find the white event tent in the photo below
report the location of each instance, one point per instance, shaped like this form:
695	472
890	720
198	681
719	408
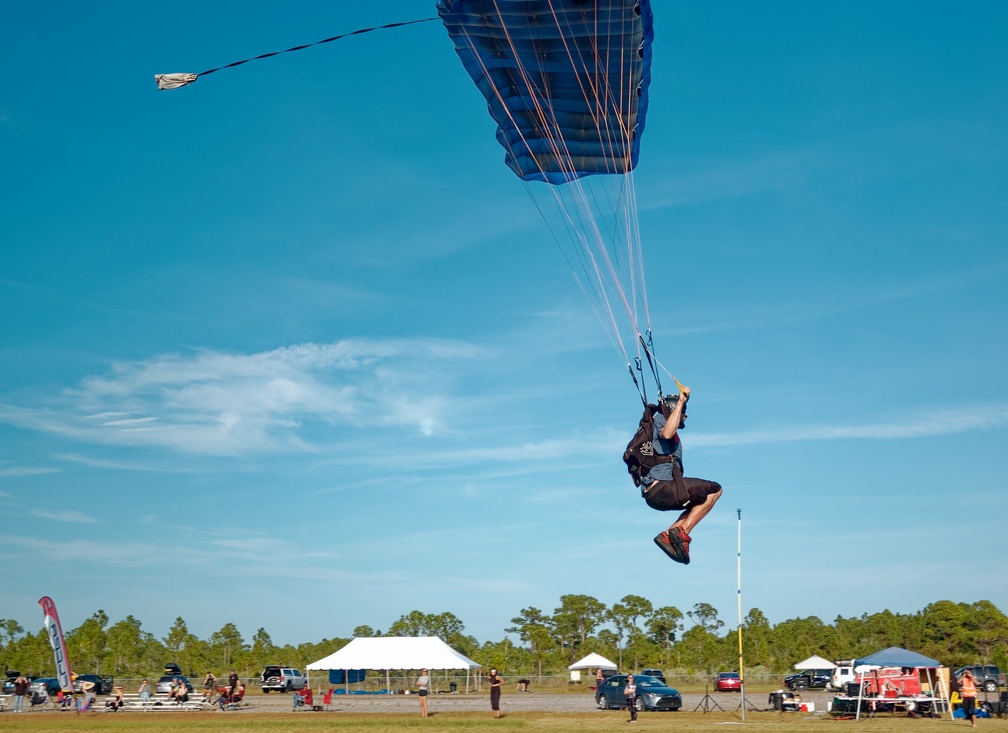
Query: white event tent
396	652
592	661
815	662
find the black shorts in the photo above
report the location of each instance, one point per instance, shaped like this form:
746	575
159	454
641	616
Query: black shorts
422	693
665	496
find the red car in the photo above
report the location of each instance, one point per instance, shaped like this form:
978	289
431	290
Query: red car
726	681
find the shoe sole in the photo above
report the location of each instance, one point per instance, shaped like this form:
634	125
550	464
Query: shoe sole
673	548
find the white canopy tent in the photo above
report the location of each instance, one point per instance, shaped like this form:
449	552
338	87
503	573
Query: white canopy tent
814	662
396	652
592	661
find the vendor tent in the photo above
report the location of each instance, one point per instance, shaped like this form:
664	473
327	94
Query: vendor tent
594	661
396	652
814	662
928	669
896	656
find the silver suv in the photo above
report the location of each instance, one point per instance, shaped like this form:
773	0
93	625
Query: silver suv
281	679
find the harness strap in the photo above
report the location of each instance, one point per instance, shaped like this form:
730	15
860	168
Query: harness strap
679	481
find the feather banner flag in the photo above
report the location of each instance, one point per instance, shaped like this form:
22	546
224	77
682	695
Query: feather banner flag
55	631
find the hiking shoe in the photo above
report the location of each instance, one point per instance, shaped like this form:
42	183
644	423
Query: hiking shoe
671	544
684	538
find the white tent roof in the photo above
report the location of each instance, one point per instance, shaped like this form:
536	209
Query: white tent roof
395	652
593	661
815	662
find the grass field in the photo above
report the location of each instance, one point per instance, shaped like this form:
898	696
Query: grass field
470	722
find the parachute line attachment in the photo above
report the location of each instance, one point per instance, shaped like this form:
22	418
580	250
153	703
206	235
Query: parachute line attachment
174	81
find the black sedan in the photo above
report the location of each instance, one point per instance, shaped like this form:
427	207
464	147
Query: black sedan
101	685
652	694
810	679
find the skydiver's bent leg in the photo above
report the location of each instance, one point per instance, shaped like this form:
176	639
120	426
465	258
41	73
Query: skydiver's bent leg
665	496
695	503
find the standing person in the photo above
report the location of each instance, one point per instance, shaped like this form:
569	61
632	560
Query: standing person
232	683
599	678
423	685
968	692
655	463
208	686
20	690
495	691
631	697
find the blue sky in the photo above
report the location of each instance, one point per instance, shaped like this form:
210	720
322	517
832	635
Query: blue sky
295	332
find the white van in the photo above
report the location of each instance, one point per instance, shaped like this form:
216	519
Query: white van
842	674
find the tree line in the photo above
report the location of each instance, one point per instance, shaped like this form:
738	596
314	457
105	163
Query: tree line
632	632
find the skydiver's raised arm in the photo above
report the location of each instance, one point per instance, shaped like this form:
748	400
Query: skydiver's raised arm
674	419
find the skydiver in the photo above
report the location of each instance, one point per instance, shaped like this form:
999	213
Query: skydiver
664	491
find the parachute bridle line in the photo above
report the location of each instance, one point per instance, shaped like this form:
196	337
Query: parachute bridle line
360	31
577	199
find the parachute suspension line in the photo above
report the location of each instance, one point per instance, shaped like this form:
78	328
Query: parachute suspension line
173	81
555	138
633	376
628	223
609	327
648	346
607	251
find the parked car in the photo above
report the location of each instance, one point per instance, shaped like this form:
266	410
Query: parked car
656	673
652	694
986	676
809	679
281	679
102	686
51	686
164	684
842	674
8	685
726	681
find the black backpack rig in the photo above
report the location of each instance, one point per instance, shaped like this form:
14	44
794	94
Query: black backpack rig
640	456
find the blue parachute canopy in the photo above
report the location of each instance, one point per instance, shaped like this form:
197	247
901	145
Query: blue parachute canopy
565	80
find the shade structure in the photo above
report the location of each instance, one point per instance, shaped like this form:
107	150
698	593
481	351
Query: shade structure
593	661
395	652
896	656
815	662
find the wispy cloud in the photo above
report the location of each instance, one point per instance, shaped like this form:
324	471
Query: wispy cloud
214	403
920	425
734	179
70	515
26	471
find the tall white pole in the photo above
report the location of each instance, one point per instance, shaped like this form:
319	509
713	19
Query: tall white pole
741	667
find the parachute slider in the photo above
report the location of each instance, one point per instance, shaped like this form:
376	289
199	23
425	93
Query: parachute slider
174	81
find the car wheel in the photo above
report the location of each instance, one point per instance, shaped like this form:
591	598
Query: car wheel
990	686
639	704
265	690
603	704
